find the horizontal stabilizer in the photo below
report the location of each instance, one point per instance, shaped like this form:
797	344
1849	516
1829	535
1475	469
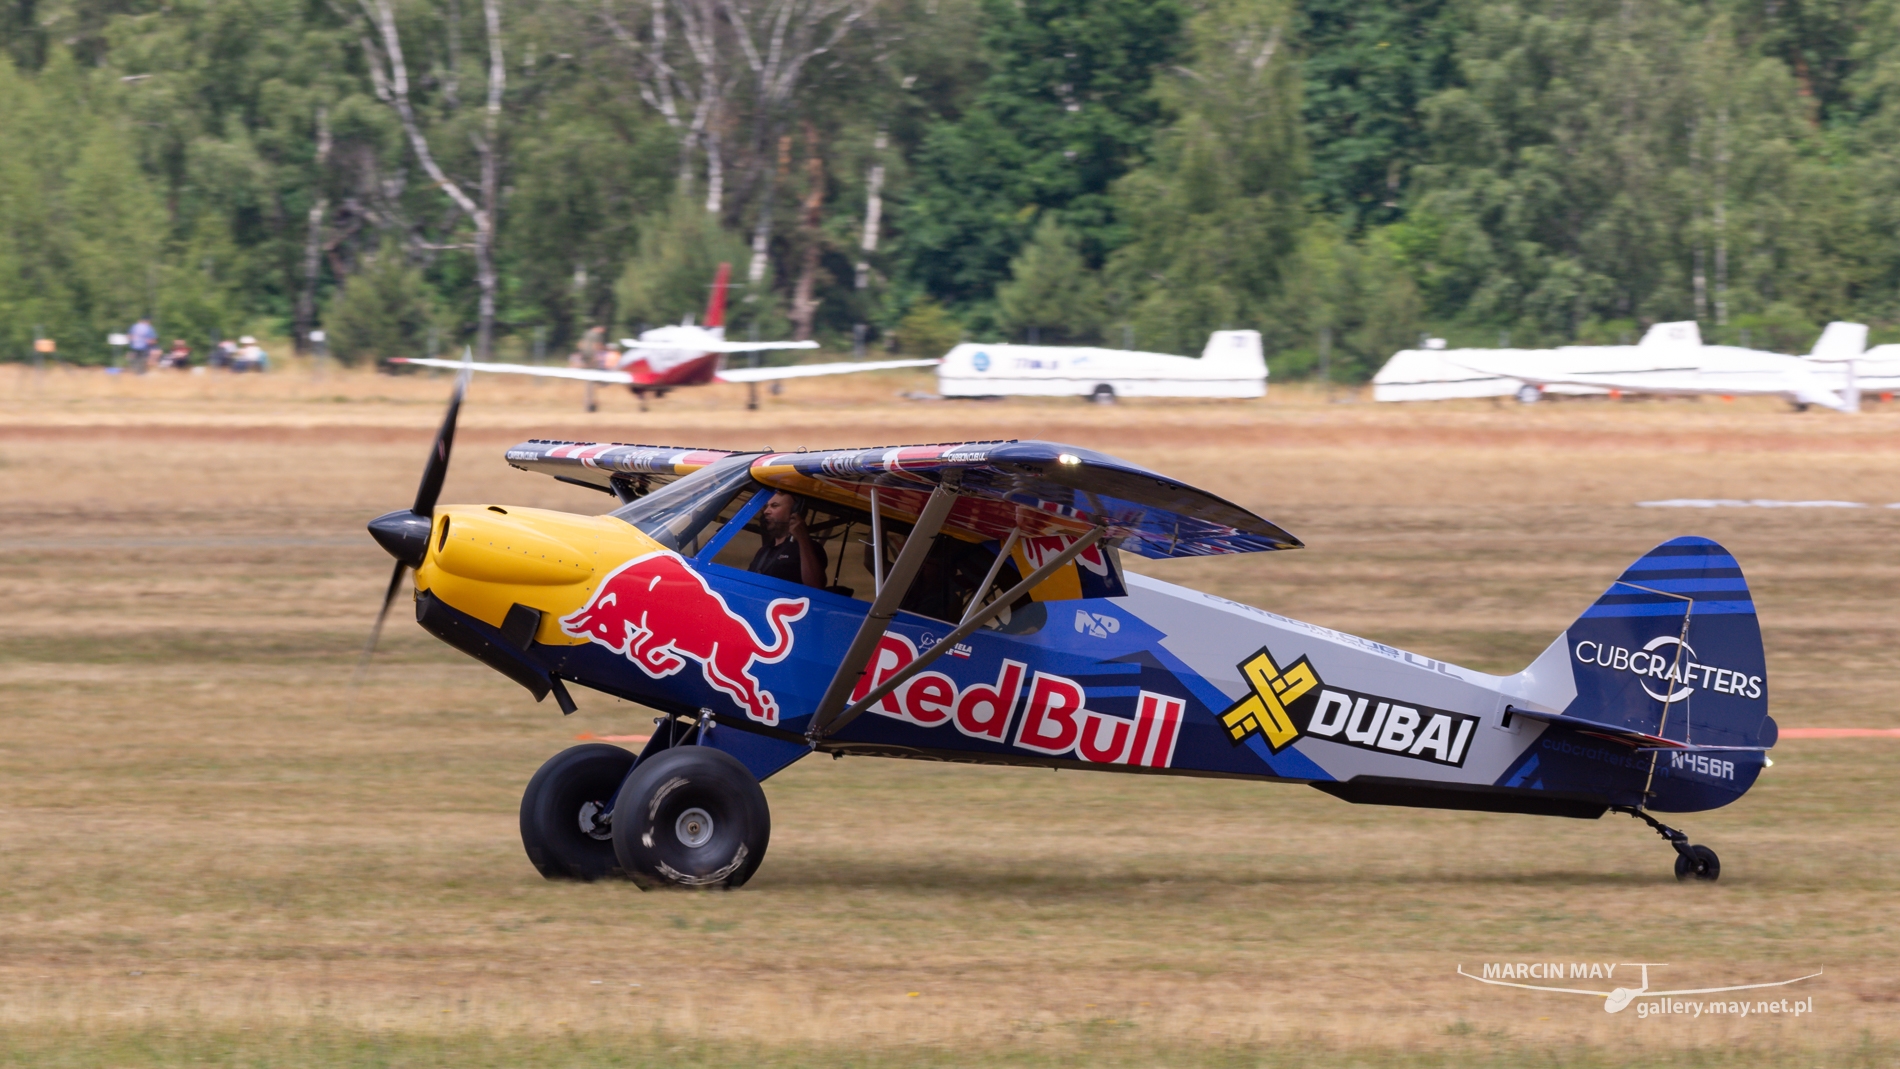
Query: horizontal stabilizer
716	346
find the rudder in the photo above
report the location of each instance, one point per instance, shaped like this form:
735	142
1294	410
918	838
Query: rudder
1673	649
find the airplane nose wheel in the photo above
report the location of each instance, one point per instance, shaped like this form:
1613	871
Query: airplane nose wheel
691	816
1693	861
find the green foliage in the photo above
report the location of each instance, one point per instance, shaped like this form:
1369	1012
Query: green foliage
928	330
1052	291
671	274
1215	220
1553	170
382	311
1368	70
1066	110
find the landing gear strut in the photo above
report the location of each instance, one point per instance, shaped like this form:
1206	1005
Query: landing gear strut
1692	860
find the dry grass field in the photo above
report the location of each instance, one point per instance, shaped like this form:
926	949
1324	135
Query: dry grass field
212	851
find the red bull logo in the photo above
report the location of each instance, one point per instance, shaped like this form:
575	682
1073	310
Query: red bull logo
659	613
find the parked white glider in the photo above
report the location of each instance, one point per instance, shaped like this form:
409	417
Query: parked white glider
665	358
1230	366
1670	359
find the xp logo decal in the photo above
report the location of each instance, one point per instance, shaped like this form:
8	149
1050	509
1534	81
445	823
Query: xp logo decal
1276	712
1264	712
1668	660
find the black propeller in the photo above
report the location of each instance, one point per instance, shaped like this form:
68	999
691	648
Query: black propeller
405	532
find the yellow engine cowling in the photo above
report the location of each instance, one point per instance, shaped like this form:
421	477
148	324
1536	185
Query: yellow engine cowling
485	559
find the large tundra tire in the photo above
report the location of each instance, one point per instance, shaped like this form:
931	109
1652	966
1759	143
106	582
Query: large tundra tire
566	810
693	817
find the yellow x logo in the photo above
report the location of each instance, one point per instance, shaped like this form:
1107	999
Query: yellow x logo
1264	711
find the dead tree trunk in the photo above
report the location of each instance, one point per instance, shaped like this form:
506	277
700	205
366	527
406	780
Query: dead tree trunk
804	309
390	76
313	243
873	210
491	185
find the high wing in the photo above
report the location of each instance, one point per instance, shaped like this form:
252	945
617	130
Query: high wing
581	374
710	346
626	471
805	371
1037	488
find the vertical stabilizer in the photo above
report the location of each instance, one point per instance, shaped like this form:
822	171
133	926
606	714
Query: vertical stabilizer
1673	335
716	305
1840	341
1235	352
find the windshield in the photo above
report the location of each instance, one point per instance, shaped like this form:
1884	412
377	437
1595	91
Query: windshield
676	514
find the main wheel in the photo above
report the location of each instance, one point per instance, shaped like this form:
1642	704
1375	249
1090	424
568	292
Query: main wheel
691	816
566	812
1103	394
1700	863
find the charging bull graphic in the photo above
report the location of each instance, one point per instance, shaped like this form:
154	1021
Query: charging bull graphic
658	612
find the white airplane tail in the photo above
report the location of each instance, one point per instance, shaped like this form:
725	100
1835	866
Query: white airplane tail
1673	335
1237	351
1840	341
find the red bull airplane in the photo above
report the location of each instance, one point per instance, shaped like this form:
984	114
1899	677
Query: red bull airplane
967	602
666	358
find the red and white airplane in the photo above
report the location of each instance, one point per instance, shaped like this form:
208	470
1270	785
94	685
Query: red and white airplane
664	358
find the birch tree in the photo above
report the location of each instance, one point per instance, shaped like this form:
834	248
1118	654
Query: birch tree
389	76
694	75
778	40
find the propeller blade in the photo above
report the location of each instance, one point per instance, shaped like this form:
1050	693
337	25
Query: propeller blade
376	632
438	466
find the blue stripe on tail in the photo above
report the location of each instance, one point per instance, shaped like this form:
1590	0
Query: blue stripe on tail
1673	648
1681	566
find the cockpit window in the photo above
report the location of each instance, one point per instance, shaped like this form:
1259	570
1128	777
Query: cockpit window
677	515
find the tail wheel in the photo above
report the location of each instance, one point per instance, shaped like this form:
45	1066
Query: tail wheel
691	816
566	812
1700	863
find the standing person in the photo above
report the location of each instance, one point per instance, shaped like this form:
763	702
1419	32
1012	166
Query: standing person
786	550
140	340
593	340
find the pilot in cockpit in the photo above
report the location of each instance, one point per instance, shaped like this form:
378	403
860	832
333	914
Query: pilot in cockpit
786	549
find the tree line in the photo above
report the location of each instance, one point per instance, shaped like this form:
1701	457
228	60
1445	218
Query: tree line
408	175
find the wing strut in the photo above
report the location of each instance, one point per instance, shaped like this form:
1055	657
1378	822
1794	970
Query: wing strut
1015	535
971	622
890	593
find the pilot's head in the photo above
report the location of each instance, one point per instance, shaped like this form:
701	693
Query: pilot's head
779	512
